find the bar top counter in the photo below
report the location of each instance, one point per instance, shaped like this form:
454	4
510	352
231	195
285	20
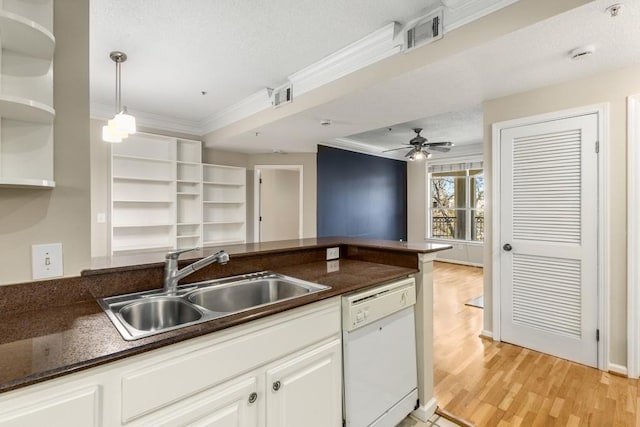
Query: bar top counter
55	327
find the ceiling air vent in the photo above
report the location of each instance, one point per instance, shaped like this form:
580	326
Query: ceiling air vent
423	30
282	95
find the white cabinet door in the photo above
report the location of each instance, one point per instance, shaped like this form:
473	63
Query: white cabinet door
233	404
306	390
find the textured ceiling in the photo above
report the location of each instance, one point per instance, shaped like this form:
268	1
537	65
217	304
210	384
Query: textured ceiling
228	48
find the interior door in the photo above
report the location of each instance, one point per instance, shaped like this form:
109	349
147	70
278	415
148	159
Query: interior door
549	229
279	204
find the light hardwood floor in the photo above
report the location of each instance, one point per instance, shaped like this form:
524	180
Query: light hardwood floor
498	384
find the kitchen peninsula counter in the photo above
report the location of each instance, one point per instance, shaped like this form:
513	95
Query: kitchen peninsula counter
56	327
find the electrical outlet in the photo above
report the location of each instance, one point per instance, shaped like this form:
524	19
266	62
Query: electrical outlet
333	266
46	261
333	253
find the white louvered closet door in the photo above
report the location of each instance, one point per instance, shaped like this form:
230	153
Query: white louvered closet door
549	218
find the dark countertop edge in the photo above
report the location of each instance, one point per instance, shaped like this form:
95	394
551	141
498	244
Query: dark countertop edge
184	334
118	263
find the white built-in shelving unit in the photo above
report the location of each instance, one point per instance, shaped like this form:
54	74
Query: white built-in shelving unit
164	197
26	93
223	204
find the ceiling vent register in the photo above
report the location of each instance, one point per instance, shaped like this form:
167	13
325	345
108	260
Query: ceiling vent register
282	95
423	30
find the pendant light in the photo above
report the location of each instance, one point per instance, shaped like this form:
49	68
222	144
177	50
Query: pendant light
123	124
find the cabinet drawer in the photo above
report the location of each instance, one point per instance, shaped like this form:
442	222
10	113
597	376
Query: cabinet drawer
79	408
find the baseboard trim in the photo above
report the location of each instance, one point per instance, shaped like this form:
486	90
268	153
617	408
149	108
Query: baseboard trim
486	334
455	261
616	369
425	411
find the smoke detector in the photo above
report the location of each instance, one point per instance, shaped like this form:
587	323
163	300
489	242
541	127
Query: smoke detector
582	51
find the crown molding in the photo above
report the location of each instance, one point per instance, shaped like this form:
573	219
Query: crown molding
252	104
370	49
149	120
360	147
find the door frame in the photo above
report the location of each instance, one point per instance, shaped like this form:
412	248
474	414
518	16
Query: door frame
256	196
602	112
633	239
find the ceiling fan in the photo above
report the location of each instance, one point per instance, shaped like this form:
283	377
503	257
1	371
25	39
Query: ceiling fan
421	147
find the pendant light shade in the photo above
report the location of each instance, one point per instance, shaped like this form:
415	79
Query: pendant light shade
123	124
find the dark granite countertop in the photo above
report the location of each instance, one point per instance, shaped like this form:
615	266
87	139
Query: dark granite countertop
57	339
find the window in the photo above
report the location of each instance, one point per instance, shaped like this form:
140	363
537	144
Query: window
457	201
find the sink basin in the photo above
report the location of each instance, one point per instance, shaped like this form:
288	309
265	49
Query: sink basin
241	296
159	313
147	313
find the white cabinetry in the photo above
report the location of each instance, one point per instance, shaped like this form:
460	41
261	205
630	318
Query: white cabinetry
163	197
295	384
224	204
26	93
221	380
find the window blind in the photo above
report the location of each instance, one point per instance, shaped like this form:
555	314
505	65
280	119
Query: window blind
455	167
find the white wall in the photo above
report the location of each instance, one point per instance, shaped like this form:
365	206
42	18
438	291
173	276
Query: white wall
30	216
612	88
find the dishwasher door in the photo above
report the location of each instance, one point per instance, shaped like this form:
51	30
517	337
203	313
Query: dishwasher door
380	370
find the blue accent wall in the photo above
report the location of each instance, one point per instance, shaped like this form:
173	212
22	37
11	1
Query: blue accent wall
361	195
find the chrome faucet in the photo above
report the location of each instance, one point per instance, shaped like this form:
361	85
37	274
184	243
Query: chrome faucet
172	275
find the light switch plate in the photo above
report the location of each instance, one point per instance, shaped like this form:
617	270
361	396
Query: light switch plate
46	261
333	253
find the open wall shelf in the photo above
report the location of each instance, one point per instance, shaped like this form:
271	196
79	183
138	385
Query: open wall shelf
26	93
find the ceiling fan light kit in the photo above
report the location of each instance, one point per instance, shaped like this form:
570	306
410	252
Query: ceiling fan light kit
420	147
123	124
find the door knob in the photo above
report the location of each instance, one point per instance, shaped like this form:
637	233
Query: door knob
507	247
253	397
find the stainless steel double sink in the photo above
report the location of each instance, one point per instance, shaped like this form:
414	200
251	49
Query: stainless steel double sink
147	313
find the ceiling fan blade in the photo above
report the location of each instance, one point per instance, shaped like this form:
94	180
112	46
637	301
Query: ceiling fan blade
441	148
395	149
441	144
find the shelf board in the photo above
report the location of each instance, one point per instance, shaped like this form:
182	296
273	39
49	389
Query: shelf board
141	225
35	183
145	159
25	36
222	242
187	194
222	222
188	236
222	202
187	181
226	184
139	247
143	201
188	223
186	162
133	178
26	110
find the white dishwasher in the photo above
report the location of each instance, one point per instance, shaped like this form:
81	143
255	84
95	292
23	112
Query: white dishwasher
379	348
